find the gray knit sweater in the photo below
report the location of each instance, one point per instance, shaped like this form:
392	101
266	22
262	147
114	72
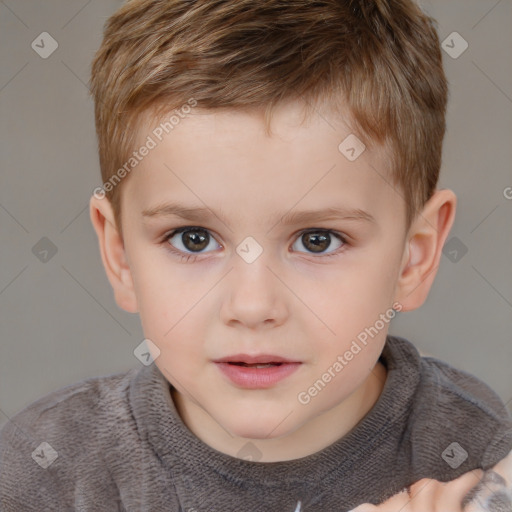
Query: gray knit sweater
116	443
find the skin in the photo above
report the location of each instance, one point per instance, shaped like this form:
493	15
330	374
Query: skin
475	491
290	301
428	495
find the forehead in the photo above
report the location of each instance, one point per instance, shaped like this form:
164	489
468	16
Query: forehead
221	158
322	124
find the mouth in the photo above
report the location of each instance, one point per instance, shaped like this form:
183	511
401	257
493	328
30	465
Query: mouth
260	359
256	365
256	372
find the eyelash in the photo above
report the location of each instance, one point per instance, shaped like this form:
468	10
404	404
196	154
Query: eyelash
191	257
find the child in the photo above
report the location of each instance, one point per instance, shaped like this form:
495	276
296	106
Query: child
268	205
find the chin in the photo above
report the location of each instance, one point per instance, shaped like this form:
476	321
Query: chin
258	427
254	430
252	427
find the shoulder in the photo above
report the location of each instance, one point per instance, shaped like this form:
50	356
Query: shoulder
462	417
76	408
60	439
458	386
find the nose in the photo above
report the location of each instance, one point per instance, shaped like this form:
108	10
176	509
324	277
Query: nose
254	297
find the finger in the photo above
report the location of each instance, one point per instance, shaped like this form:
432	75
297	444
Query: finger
450	495
422	496
432	495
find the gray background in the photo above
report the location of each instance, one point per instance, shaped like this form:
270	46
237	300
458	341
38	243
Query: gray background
59	320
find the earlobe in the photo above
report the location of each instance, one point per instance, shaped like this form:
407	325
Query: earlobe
422	255
113	253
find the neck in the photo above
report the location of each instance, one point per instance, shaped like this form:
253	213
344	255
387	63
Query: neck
310	438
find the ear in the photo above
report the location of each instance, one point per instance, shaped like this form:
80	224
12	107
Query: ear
113	253
423	249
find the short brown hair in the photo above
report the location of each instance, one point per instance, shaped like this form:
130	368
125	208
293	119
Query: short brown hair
381	58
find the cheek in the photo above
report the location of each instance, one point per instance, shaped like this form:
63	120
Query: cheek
373	277
165	298
356	306
358	293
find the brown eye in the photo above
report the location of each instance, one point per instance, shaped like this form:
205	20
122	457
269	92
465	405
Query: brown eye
190	239
317	242
195	240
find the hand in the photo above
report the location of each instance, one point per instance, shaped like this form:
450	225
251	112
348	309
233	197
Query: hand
428	495
475	491
494	491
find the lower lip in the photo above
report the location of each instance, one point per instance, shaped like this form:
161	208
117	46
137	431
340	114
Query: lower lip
257	378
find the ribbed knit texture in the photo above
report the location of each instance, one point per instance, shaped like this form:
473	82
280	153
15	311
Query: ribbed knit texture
122	447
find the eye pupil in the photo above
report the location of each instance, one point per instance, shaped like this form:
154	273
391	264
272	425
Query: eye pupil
198	241
318	242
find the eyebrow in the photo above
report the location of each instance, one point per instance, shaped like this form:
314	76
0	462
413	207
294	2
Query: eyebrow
287	218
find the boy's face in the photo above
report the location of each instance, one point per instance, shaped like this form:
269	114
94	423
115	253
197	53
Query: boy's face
210	295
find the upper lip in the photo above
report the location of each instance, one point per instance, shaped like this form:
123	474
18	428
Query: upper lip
248	359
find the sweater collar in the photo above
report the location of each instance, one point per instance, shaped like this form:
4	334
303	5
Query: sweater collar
158	422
